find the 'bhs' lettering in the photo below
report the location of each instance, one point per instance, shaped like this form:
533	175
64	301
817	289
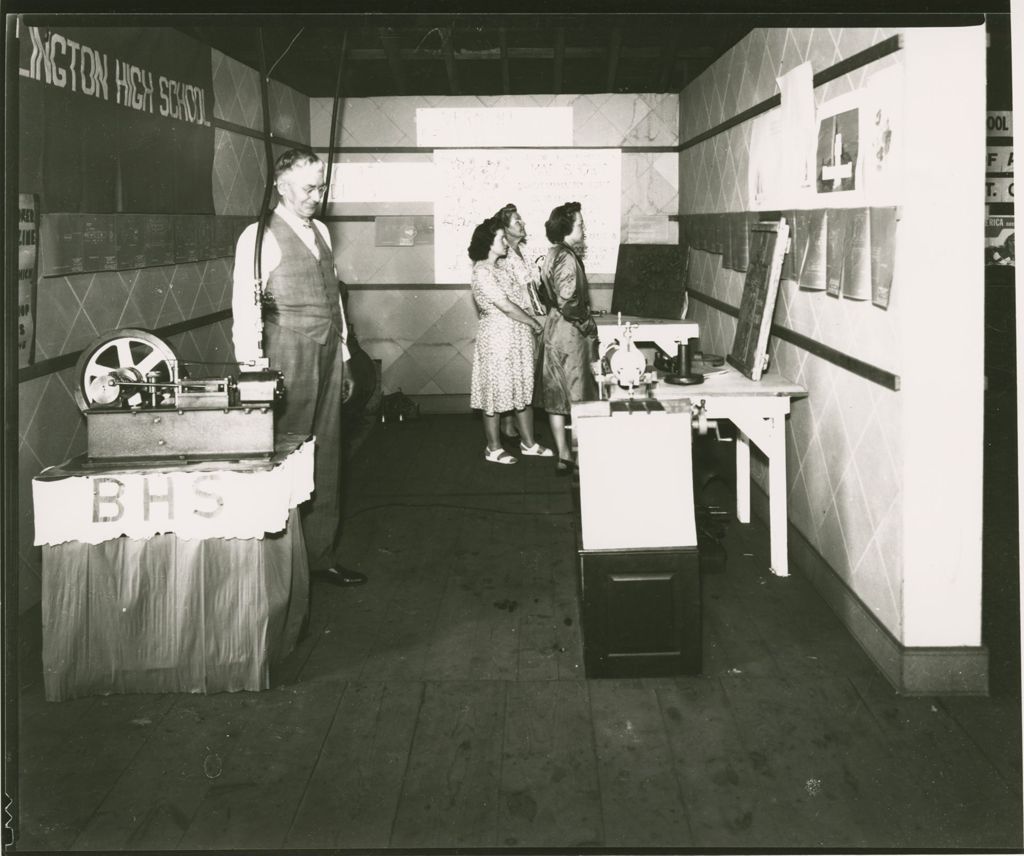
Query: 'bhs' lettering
112	501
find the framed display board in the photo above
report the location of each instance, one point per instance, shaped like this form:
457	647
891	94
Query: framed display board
768	245
650	281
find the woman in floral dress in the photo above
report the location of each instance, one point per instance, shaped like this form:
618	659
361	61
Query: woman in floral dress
527	277
503	363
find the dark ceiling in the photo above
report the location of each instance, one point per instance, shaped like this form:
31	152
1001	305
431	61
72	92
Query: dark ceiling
462	54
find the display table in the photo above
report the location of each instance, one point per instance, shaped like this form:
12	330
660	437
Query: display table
171	577
758	410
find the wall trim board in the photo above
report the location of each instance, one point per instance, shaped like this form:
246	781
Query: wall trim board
447	403
438	286
845	66
911	671
844	361
67	361
225	125
408	150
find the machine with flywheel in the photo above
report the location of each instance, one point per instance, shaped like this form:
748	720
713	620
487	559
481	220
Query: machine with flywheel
140	404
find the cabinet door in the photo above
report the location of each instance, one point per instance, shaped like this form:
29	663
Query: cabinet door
641	613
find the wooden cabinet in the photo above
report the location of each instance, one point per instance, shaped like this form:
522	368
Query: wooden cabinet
641	612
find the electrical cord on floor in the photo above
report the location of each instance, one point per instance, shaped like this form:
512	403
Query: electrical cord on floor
457	508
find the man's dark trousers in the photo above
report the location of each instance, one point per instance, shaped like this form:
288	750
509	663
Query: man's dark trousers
313	376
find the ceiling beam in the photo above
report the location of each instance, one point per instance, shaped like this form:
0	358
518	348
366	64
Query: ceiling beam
647	53
559	57
669	55
389	39
449	60
614	45
503	38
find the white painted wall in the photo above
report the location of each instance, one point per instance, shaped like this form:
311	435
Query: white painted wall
939	257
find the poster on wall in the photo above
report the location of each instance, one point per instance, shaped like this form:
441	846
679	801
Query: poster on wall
28	258
883	137
799	129
475	183
766	174
838	160
999	241
123	118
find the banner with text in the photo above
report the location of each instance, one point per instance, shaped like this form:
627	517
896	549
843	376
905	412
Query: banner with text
28	268
122	116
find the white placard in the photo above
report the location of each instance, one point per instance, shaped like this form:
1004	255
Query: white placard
462	127
1000	159
476	183
999	123
196	503
998	189
382	182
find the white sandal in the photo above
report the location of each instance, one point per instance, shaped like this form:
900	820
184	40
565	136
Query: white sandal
498	456
536	450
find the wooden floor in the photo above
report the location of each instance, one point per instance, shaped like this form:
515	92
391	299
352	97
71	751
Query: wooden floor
444	705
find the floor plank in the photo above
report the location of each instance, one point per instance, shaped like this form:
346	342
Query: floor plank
812	793
722	790
549	785
154	801
451	790
72	754
641	800
978	809
270	765
353	793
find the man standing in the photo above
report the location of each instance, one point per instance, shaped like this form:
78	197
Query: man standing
304	338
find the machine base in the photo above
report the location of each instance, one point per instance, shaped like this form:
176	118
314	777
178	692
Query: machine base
169	433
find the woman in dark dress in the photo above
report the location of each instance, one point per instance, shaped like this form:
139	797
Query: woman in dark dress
570	334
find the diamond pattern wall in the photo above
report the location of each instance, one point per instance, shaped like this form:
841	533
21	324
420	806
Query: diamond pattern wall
844	439
72	311
424	338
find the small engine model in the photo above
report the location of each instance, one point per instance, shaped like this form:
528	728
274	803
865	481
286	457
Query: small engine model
139	404
623	363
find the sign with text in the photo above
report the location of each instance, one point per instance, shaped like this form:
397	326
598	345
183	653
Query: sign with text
998	189
999	240
198	501
999	159
999	123
28	261
122	116
474	184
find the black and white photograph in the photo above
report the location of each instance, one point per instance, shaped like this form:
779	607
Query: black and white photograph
524	430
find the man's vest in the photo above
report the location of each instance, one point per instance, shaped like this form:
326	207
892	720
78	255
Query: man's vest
302	291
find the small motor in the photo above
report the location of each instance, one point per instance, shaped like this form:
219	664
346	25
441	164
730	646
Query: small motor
260	388
626	363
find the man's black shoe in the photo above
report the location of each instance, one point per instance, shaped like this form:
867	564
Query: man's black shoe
340	576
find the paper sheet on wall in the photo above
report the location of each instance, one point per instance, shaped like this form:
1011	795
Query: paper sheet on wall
766	187
883	137
856	277
839	160
799	134
474	183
